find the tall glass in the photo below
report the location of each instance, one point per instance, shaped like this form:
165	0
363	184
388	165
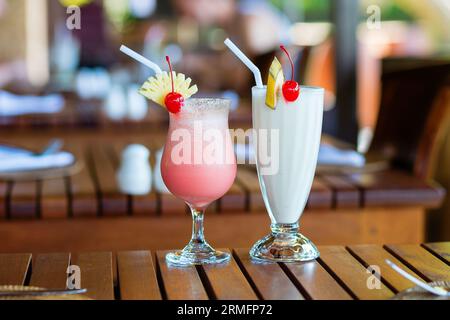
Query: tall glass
199	166
291	135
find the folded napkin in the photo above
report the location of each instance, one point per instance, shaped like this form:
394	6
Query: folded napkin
15	105
328	155
16	159
9	151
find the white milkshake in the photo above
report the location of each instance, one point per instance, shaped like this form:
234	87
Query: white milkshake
287	123
285	190
299	125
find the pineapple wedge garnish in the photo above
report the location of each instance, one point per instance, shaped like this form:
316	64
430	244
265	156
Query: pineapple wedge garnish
156	88
274	83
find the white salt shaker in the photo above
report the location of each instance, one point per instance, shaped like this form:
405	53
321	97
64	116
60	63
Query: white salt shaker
135	174
160	186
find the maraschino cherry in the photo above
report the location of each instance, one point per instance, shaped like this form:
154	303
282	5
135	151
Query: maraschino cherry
291	89
173	101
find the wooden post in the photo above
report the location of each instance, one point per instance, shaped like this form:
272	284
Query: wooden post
345	15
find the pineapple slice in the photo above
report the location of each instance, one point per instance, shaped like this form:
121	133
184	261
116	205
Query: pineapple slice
156	88
274	83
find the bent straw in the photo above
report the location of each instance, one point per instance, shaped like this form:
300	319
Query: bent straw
136	56
246	61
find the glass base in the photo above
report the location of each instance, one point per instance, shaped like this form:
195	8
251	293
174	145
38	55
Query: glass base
284	244
196	254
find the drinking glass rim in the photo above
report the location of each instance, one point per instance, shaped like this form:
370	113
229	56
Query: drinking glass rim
311	89
197	105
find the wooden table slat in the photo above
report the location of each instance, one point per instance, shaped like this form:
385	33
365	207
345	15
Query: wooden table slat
441	249
180	283
345	194
54	200
321	196
82	188
421	261
112	199
3	193
395	187
137	276
271	281
351	272
373	255
25	196
249	181
14	268
228	282
96	274
317	282
24	199
49	270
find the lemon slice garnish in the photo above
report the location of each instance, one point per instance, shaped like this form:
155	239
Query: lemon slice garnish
274	83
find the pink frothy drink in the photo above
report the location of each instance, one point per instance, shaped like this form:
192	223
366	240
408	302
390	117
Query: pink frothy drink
198	163
199	166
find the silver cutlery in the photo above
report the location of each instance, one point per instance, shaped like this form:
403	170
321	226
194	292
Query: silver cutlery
41	293
439	291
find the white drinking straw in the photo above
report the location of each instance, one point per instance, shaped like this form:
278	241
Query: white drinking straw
136	56
246	61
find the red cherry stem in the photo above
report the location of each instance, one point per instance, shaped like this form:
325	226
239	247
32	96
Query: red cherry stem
290	60
171	74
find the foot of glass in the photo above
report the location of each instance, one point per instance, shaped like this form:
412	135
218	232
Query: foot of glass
196	254
198	251
284	244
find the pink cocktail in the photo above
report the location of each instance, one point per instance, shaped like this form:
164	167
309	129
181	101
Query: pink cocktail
199	166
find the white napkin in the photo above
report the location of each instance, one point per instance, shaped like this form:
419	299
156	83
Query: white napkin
16	159
332	156
328	155
14	105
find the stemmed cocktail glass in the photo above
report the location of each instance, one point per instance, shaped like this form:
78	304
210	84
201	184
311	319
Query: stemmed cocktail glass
199	166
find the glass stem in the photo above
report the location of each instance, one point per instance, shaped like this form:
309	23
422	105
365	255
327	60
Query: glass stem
197	226
284	228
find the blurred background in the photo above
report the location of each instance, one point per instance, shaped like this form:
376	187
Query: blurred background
61	73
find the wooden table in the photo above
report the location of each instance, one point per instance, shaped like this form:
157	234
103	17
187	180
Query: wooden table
372	207
339	273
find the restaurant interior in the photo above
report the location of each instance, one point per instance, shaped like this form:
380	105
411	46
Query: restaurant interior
77	137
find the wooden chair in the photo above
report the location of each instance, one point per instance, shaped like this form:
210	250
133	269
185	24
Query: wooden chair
415	105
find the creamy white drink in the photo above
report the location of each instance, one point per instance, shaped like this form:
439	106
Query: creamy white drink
287	124
299	124
286	179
